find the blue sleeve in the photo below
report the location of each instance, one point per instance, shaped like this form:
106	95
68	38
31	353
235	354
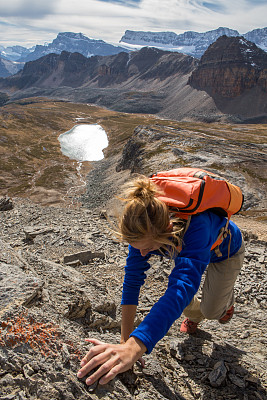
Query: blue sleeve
134	277
183	284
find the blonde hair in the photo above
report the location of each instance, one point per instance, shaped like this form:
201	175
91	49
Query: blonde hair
145	216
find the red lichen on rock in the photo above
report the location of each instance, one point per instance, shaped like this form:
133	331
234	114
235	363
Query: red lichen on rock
40	336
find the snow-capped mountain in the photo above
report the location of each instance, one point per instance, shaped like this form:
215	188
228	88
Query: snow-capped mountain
14	57
65	41
14	53
259	37
192	43
8	67
73	42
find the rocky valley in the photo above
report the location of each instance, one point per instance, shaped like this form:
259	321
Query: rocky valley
32	164
61	268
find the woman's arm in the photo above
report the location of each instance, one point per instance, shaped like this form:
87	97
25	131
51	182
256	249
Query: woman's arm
127	321
135	275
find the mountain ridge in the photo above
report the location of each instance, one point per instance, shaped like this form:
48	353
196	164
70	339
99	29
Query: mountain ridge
190	42
68	41
155	81
78	42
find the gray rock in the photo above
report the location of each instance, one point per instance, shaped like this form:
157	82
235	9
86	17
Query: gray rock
17	287
32	231
218	375
83	257
237	381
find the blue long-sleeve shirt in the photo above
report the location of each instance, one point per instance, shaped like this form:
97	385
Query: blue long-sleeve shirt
185	277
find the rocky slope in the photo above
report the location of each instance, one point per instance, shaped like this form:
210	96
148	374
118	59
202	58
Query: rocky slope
53	303
75	70
161	147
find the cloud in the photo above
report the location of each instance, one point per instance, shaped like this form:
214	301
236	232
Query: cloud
255	2
214	6
26	8
5	23
35	21
126	3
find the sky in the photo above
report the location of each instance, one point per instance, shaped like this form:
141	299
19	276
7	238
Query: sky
31	22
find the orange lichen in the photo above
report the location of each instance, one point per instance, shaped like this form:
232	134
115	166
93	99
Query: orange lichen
41	337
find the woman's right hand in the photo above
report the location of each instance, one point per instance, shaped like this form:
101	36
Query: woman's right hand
110	359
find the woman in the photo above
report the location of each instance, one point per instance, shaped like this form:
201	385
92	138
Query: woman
149	228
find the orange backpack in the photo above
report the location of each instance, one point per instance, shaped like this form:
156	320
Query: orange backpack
189	191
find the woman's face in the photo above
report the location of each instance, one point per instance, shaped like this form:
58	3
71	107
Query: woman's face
145	246
149	244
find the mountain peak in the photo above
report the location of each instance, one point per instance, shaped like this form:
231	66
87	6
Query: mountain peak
72	35
226	31
230	66
73	43
232	49
65	36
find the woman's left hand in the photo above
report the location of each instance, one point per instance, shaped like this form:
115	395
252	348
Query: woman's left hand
111	359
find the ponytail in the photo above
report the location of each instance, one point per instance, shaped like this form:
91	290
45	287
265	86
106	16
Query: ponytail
145	216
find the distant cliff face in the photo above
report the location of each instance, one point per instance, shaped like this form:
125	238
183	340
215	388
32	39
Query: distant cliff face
230	66
74	70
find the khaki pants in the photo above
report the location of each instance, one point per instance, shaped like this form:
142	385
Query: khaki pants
218	289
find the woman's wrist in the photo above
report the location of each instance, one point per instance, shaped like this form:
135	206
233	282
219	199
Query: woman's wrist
136	347
124	336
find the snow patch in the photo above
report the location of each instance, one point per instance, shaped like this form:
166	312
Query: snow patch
160	46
